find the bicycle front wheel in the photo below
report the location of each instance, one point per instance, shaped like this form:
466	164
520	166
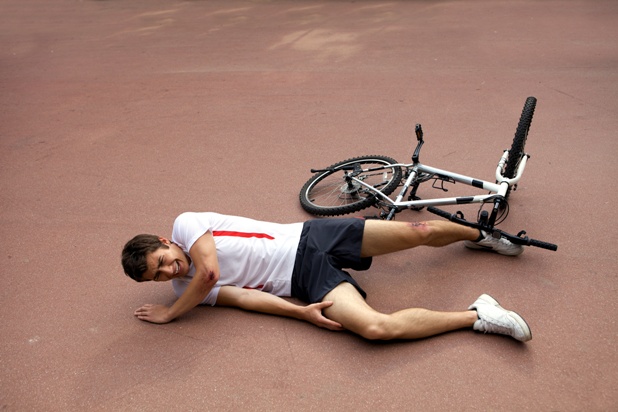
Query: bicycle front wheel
328	193
519	141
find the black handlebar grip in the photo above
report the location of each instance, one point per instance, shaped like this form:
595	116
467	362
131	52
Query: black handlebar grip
543	245
439	212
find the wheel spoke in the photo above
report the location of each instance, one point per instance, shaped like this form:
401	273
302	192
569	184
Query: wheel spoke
331	193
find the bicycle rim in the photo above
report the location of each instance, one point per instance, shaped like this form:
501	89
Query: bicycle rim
328	194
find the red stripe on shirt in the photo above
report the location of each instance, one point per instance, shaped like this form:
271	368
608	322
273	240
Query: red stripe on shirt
241	234
258	287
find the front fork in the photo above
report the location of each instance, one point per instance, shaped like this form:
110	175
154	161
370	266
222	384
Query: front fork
488	220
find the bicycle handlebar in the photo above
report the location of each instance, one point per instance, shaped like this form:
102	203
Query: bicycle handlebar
542	245
520	239
444	214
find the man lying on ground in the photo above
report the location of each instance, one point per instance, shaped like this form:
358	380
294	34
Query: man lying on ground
234	261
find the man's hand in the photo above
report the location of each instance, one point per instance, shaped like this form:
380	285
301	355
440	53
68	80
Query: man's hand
313	314
153	313
258	301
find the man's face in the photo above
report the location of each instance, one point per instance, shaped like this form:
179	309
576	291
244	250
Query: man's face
166	264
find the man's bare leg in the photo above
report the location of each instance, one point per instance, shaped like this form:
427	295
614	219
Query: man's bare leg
381	237
350	309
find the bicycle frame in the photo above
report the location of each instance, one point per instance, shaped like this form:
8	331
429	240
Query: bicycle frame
414	170
325	195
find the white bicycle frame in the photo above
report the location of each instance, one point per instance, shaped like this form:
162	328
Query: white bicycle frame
500	188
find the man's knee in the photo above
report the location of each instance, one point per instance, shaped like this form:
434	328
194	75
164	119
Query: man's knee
378	329
422	232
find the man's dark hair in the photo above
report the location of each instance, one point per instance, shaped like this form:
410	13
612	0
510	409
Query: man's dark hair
134	255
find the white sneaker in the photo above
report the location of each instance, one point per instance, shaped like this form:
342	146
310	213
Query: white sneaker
498	245
493	318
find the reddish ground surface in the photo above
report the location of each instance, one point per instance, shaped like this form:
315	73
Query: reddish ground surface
118	115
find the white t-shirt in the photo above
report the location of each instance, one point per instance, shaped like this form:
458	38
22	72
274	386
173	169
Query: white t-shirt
252	254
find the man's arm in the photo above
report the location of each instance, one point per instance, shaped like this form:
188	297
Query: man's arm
258	301
204	256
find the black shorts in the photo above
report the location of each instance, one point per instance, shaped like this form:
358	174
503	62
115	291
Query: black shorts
326	247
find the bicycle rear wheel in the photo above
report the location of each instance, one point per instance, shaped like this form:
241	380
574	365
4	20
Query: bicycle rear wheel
519	141
327	193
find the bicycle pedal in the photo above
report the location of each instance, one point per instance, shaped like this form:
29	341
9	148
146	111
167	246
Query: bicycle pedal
416	208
